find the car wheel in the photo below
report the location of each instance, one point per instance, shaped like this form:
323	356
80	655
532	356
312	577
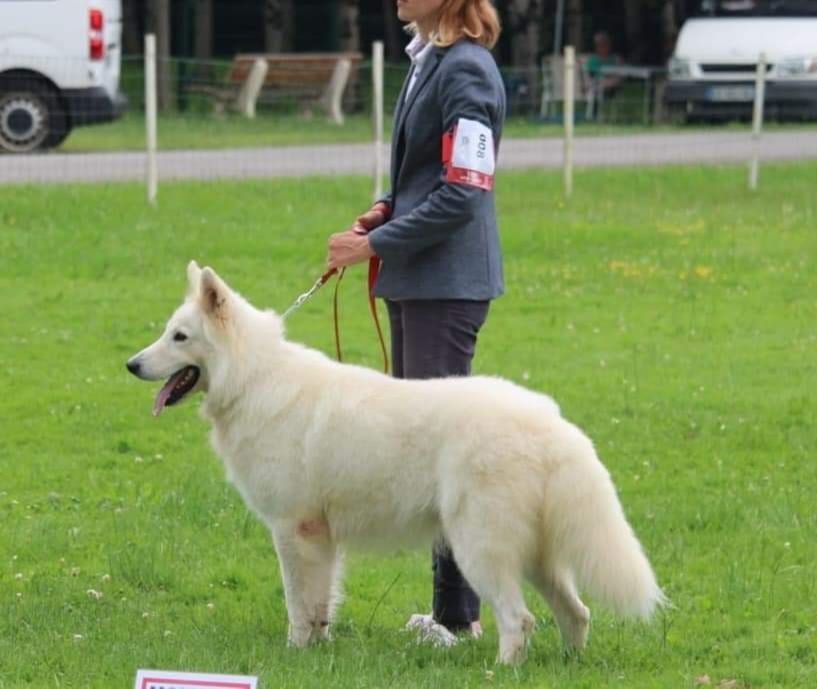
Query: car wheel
30	117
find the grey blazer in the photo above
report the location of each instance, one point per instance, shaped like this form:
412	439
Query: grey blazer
442	240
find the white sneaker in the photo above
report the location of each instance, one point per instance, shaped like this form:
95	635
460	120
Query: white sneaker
430	632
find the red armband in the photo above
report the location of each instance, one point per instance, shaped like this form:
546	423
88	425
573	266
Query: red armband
468	154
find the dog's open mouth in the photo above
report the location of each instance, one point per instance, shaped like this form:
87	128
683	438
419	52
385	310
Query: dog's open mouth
176	387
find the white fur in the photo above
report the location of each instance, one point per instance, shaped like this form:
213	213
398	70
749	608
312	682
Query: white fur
516	489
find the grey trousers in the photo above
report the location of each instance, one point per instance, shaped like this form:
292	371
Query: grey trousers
435	339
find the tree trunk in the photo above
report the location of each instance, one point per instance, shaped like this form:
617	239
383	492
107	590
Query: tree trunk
669	27
132	42
350	42
349	28
203	38
524	24
203	69
279	26
632	16
159	23
392	35
574	10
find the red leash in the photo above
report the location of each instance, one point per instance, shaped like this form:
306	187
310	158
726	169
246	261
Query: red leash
378	214
335	310
374	268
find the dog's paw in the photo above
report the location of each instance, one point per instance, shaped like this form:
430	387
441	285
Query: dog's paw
430	632
299	636
320	631
513	655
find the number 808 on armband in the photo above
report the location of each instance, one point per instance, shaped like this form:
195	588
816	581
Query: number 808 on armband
468	154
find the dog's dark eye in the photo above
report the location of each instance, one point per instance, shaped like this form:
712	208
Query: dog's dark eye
179	337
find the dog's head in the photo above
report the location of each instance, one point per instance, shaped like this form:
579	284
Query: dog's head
185	352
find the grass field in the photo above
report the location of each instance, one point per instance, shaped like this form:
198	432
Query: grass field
234	131
671	313
202	132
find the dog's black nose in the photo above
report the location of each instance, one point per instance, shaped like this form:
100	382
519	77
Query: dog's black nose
133	367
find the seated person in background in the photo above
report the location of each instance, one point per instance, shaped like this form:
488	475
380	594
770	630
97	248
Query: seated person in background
603	86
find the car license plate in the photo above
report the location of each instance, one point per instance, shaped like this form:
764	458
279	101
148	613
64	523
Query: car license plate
731	94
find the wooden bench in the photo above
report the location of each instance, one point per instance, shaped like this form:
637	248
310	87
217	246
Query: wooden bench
305	79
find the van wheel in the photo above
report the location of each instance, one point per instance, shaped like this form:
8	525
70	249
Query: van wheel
31	117
57	135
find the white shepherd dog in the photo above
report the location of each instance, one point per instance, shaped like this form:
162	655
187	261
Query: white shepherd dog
332	455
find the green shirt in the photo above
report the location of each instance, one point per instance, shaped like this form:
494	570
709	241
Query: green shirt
596	62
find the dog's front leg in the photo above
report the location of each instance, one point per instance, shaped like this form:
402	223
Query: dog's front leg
310	568
291	562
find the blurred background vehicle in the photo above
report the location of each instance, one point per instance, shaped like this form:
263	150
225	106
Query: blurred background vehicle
59	69
712	70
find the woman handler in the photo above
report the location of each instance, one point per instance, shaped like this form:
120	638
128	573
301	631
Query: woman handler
435	232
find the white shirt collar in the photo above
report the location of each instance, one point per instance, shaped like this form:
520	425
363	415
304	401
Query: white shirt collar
418	50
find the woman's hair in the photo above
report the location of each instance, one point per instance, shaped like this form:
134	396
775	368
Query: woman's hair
476	20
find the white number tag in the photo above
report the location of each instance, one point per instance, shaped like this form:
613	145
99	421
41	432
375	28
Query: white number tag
474	147
472	155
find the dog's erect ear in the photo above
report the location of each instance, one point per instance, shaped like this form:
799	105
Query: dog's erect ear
213	294
193	278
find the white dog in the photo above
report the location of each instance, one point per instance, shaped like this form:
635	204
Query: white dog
332	455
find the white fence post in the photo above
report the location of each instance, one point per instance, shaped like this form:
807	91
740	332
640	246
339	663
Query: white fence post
757	119
150	117
377	97
568	112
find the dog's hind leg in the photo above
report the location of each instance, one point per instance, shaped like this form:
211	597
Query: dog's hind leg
310	571
503	593
572	616
493	574
514	620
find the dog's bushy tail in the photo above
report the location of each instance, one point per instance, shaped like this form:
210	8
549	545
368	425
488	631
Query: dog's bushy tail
593	540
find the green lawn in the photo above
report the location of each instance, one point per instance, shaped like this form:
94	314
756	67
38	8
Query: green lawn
233	131
671	313
200	131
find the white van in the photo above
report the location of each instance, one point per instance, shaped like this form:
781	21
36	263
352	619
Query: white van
712	70
59	69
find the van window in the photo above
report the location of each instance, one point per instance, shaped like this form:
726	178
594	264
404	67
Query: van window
758	8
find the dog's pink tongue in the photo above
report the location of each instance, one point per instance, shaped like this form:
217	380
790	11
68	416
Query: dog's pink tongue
164	393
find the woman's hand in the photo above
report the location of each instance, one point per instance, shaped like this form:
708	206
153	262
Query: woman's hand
347	248
374	217
352	246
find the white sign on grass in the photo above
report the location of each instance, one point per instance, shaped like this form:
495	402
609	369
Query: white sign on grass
165	679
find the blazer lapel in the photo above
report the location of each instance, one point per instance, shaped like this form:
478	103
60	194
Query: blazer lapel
430	66
404	104
398	111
